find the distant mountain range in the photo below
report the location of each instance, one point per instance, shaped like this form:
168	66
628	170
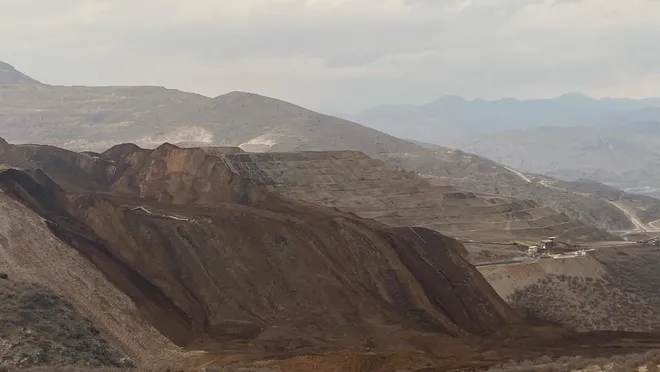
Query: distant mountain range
614	141
625	156
450	117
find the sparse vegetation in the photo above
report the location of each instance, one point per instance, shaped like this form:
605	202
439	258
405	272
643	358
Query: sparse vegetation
625	299
624	363
39	328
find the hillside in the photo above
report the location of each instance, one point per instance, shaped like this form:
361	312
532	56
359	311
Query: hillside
613	141
352	182
9	75
179	260
96	118
477	174
183	251
624	156
40	328
371	188
601	291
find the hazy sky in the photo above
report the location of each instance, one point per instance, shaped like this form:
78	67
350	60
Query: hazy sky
341	55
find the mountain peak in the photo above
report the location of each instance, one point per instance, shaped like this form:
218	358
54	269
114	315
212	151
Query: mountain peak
451	99
575	96
9	75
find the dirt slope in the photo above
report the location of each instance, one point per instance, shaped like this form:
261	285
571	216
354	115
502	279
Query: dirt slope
209	259
31	253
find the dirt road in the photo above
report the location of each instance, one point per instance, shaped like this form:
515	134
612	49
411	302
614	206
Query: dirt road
640	226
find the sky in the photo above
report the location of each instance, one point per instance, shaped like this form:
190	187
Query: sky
341	56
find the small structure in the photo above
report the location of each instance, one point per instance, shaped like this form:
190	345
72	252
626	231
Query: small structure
532	250
547	245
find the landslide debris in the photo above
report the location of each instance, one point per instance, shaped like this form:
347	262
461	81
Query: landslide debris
40	328
215	262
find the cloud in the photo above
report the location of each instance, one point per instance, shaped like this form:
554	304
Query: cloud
341	54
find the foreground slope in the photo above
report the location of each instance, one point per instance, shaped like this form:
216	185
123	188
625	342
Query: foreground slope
41	328
95	118
189	249
609	289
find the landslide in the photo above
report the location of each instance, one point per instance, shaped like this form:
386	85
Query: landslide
215	262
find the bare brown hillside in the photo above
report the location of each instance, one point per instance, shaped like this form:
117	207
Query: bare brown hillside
215	263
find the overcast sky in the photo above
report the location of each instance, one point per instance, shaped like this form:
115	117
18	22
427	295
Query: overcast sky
341	55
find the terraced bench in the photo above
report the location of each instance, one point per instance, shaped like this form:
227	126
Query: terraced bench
353	182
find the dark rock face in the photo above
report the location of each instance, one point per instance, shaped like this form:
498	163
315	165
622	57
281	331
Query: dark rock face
212	259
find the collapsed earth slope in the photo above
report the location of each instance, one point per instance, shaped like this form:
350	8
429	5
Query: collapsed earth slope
214	262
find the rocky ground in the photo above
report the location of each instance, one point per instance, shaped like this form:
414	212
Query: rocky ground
40	328
611	289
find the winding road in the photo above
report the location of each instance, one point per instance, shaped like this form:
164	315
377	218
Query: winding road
640	226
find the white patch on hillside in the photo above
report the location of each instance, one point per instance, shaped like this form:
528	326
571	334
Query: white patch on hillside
84	145
183	134
520	175
261	143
